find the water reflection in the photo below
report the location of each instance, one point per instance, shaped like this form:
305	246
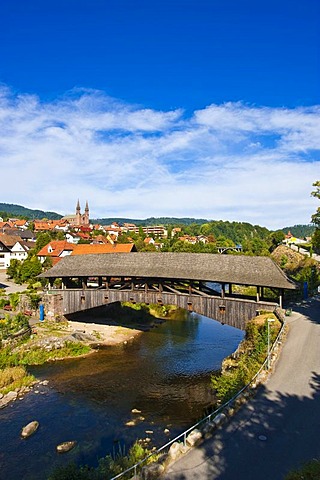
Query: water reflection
165	373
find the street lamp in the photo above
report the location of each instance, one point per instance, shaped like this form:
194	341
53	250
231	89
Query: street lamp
269	320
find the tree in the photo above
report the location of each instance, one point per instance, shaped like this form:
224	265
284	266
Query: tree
30	269
42	240
316	218
275	239
13	269
316	193
316	240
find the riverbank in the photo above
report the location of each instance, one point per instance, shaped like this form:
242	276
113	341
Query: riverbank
51	341
106	335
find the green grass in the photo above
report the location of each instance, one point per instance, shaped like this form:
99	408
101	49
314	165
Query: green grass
38	356
12	378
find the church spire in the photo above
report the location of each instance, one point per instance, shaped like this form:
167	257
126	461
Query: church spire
78	207
87	207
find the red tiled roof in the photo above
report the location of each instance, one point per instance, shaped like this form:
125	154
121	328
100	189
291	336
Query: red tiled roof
57	246
100	239
84	236
20	223
48	224
9	240
103	248
5	224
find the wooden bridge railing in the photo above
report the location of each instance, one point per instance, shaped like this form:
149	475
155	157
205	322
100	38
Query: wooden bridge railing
232	311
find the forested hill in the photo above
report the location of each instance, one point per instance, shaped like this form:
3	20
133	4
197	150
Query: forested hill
238	232
300	231
151	221
12	210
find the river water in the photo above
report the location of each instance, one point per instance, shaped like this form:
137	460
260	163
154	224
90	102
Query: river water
164	373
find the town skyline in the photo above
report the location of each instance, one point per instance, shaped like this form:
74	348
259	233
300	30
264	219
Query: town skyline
170	109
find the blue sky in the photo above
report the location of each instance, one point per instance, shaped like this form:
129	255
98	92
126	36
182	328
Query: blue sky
162	108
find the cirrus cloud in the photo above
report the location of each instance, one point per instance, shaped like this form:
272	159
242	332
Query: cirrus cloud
230	161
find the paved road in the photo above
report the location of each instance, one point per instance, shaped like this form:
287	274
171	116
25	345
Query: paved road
8	286
305	252
286	411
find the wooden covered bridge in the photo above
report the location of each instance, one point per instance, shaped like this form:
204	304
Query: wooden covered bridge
207	284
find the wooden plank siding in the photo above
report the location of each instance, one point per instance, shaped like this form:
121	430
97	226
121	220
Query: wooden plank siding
231	311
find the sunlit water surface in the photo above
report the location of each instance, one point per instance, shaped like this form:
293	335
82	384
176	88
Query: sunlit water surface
164	373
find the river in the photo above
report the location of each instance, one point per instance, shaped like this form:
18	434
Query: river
164	373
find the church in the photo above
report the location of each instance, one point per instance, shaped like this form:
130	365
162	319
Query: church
79	218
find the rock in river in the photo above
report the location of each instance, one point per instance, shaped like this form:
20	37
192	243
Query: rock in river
66	446
29	429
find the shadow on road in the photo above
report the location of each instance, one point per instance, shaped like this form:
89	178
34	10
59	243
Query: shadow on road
310	309
253	447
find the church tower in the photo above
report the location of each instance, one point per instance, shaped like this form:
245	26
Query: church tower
78	214
86	220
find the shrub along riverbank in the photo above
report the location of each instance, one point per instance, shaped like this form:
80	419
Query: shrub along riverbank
240	367
109	466
19	349
14	379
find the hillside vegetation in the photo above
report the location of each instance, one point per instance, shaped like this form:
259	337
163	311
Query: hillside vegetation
300	268
300	231
12	210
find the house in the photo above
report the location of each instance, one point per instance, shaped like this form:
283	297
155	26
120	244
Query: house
188	239
149	241
85	249
51	225
25	235
155	230
55	250
4	226
175	231
290	239
21	224
12	247
19	251
72	237
84	236
202	239
4	255
100	239
114	229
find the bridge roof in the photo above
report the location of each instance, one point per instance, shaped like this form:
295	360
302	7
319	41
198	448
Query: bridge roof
236	269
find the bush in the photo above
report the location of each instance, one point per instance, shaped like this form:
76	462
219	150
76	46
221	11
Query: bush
12	324
14	300
109	466
73	472
14	377
310	471
34	299
252	354
3	302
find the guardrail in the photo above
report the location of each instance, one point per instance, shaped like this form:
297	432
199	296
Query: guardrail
134	469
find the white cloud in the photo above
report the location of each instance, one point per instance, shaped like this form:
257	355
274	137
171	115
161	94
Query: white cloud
231	161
